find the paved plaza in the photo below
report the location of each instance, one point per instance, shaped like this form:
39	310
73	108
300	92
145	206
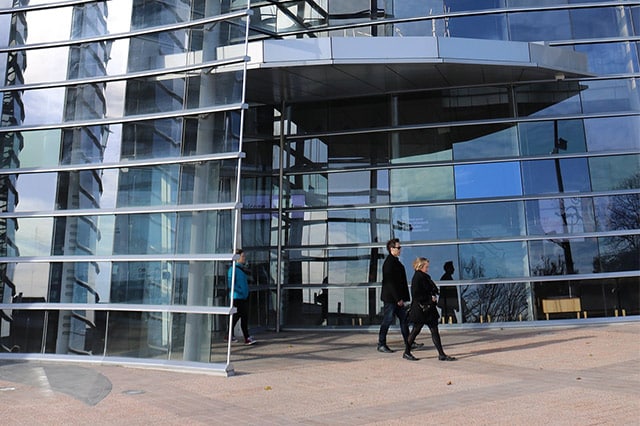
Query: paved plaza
561	375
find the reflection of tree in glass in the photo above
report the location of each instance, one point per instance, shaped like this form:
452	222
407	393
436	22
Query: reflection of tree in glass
548	266
501	302
623	214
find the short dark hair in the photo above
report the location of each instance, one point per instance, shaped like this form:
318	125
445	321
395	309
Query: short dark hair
391	243
239	251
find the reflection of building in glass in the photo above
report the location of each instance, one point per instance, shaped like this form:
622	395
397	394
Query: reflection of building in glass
505	140
12	143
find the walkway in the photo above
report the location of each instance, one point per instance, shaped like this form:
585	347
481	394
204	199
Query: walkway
588	375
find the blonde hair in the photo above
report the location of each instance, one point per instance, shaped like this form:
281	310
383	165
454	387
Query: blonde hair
419	263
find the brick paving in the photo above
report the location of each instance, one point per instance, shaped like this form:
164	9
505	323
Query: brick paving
561	375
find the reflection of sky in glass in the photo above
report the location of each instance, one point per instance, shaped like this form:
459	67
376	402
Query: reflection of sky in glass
36	192
43	106
487	180
29	281
33	238
615	133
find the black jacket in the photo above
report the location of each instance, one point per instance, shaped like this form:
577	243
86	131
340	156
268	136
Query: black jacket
394	281
422	290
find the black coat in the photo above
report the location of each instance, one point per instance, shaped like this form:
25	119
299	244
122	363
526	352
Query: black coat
394	281
422	291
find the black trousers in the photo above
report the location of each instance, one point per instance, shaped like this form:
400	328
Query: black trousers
242	315
435	336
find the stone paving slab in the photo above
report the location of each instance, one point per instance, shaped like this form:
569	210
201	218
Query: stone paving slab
569	375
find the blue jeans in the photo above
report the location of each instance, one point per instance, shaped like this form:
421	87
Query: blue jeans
389	311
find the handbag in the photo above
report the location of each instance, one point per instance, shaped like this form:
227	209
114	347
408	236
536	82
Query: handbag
425	308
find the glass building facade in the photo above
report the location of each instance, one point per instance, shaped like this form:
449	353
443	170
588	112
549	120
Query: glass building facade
145	141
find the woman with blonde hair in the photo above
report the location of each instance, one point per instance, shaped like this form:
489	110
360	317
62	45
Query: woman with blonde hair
424	297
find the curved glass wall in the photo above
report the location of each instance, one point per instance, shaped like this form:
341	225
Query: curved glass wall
120	203
530	189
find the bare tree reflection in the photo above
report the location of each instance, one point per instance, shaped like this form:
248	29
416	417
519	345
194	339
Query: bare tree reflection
499	302
621	253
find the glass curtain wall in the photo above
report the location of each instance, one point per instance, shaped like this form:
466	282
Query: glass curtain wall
119	184
524	196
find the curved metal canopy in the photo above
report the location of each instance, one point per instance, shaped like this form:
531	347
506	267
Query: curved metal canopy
298	70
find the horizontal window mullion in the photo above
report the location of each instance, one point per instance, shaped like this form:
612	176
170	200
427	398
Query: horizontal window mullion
489	281
120	258
467	241
119	307
123	211
128	76
47	6
127	164
128	119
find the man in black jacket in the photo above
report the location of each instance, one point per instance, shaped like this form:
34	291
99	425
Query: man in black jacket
395	293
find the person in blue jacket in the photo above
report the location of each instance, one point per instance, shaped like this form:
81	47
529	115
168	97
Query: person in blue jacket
241	297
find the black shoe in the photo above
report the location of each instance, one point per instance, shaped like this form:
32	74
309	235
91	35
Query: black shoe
386	349
408	356
446	358
415	345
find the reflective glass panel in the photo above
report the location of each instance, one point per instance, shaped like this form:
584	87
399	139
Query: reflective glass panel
28	280
619	253
337	115
177	184
617	172
33	236
46	65
610	58
531	25
490	27
353	307
613	133
39	149
560	216
357	188
433	183
313	228
157	330
548	99
490	220
553	176
496	302
306	191
600	22
493	260
563	256
354	266
421	146
539	138
487	180
424	223
618	212
493	141
36	191
43	106
610	96
358	226
474	103
362	149
437	255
